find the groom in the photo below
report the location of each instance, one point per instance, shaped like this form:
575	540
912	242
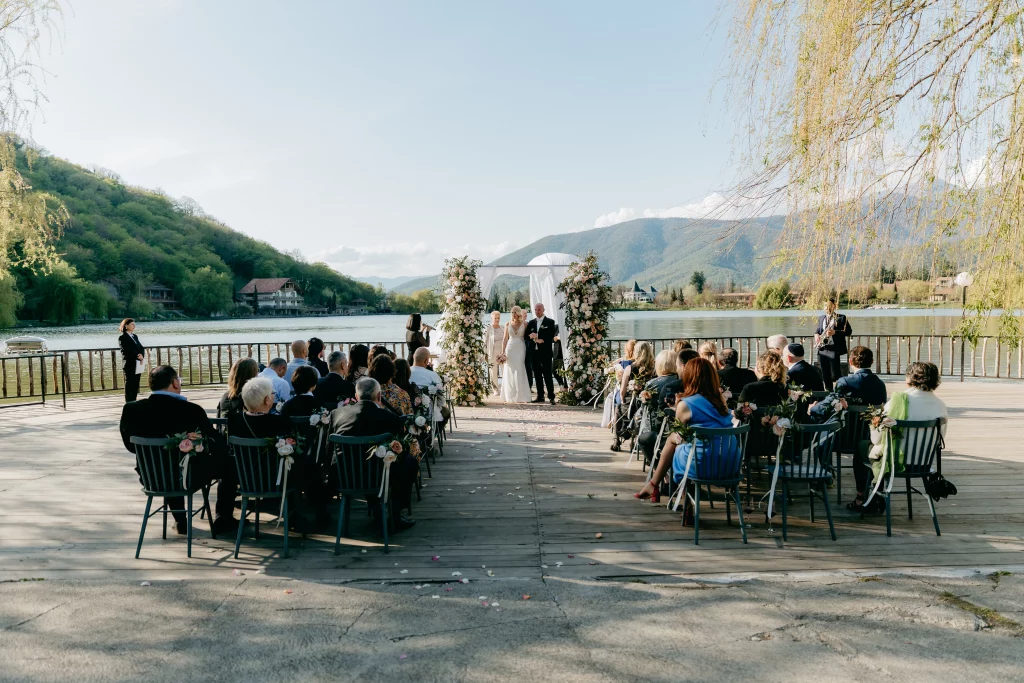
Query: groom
542	334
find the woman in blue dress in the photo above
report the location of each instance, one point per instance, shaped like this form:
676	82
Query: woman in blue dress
701	404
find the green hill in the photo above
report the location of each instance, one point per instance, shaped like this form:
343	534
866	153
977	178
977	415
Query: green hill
119	239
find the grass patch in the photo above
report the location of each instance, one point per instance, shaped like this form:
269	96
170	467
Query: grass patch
987	614
995	576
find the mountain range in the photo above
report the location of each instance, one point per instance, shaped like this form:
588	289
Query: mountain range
662	252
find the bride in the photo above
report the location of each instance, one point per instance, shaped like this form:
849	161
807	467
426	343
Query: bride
514	386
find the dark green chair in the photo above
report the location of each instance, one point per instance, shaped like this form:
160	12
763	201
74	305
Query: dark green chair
716	468
807	460
855	430
921	443
257	462
159	464
359	475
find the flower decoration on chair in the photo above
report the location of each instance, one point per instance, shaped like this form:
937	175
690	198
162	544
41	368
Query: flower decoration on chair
465	368
588	300
190	444
287	448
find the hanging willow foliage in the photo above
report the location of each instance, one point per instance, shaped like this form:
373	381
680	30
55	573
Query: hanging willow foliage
30	222
877	124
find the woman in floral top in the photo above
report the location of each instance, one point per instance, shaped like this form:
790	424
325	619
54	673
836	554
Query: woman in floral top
382	369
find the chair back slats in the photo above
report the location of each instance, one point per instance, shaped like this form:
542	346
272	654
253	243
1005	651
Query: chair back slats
810	450
357	470
920	442
159	465
257	462
720	453
855	429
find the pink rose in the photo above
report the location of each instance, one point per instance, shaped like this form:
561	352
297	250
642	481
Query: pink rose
185	446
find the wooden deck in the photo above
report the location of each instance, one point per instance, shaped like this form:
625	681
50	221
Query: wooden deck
521	492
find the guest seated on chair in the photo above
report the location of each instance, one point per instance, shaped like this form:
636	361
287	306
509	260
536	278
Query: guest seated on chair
358	362
771	388
709	352
777	342
335	388
299	351
666	381
382	369
862	385
241	372
165	412
799	371
403	378
701	405
304	403
731	376
917	403
275	372
256	421
681	345
367	417
634	377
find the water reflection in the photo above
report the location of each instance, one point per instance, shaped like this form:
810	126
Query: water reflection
625	324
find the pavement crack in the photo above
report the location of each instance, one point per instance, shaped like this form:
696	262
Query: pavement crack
397	639
33	618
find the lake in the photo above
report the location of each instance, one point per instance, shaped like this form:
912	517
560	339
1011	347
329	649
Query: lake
390	328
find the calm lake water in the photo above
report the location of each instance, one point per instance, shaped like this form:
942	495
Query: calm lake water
390	328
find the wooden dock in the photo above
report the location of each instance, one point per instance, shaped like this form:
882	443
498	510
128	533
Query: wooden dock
520	492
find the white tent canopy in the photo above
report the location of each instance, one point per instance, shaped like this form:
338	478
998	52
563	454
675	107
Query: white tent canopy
546	272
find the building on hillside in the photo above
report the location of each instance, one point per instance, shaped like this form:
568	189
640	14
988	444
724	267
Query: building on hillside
354	307
162	297
272	296
943	289
640	295
739	298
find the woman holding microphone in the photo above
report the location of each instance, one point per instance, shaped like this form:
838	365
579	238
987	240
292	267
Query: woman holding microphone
416	334
132	357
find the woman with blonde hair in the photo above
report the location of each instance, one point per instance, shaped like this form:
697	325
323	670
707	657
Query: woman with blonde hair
771	388
515	387
634	377
709	352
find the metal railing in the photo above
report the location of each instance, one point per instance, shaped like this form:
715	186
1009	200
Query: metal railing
85	371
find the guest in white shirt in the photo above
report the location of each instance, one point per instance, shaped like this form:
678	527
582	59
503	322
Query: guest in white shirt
922	404
275	371
494	336
299	350
422	376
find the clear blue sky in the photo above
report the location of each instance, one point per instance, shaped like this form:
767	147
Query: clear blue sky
382	136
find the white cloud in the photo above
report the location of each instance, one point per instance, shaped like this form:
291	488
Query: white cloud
405	258
715	206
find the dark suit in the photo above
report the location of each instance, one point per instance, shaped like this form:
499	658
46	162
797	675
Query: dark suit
806	376
263	426
863	385
131	347
735	378
300	406
333	388
543	353
764	393
829	354
160	416
366	418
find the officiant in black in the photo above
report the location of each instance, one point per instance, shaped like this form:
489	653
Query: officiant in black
541	334
132	352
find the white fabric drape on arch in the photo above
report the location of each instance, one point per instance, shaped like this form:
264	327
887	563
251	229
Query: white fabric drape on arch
546	272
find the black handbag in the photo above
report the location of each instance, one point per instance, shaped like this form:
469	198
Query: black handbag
938	487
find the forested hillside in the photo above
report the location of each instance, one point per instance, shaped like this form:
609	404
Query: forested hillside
119	239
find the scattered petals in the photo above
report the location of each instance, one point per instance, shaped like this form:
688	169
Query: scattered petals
598	535
571	556
404	571
436	597
237	572
261	570
288	591
402	656
363	551
463	580
435	558
145	583
456	573
449	589
526	597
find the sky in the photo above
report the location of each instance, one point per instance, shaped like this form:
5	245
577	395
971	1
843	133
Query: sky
382	137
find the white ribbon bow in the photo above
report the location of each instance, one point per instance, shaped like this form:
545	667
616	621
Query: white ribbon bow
184	468
890	450
686	475
284	466
385	481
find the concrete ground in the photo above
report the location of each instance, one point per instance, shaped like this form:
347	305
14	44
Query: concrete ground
525	502
259	628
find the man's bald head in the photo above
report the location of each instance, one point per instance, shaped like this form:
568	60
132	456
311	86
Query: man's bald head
421	356
299	348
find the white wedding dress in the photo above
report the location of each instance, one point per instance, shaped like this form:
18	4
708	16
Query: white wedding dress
515	388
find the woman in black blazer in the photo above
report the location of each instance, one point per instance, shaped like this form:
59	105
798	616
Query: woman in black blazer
830	339
416	335
132	351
